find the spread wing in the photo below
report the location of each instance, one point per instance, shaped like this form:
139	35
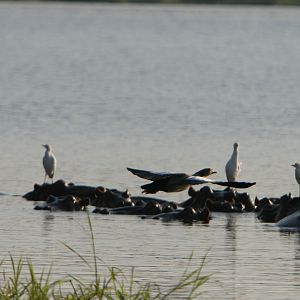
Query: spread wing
153	176
201	180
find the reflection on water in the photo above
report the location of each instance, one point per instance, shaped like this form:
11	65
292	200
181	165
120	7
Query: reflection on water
160	88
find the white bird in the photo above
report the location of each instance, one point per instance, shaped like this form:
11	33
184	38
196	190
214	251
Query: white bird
233	166
297	174
49	162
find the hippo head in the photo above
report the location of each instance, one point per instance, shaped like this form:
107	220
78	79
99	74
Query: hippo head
152	208
245	200
111	198
67	203
262	203
41	192
203	215
171	206
198	198
188	215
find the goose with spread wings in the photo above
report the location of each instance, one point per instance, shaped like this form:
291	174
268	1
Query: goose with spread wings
177	182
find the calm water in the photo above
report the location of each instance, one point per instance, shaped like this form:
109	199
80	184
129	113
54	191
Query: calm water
160	88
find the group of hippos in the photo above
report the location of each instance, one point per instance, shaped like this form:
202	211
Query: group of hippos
283	211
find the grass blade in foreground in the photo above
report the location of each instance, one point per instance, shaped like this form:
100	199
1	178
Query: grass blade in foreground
27	284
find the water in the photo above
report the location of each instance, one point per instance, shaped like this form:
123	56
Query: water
161	88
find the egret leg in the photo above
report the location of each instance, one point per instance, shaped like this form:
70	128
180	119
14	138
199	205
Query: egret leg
45	178
299	190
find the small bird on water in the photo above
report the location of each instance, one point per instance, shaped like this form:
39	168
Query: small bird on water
233	166
297	174
49	162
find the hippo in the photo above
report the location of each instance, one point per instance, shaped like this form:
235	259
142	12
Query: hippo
186	215
219	201
58	188
144	199
274	209
110	198
292	220
197	198
99	196
65	203
150	208
223	206
245	201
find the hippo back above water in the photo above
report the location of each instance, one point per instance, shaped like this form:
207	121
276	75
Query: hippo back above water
98	196
58	188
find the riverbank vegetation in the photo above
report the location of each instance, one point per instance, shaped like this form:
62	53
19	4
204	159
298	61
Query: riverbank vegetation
23	282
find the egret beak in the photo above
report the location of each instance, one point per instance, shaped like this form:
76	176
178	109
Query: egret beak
293	165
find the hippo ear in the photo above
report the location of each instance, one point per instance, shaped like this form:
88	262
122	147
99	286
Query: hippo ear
100	189
109	191
256	201
191	191
84	201
173	204
60	183
126	194
36	187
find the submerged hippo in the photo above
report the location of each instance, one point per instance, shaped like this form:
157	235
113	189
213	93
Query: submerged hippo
147	208
187	215
292	220
65	203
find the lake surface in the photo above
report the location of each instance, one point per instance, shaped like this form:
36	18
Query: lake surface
166	88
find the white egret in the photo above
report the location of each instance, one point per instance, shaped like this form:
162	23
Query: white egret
233	166
177	182
49	162
297	174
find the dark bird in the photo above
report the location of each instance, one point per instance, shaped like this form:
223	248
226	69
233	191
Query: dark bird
177	182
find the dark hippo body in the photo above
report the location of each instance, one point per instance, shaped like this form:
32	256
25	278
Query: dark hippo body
275	209
59	188
143	199
65	203
111	198
187	215
292	220
219	201
151	207
98	196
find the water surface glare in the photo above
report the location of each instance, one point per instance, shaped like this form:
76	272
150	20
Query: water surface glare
166	88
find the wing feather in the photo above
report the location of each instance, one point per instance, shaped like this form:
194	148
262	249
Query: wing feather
200	180
153	176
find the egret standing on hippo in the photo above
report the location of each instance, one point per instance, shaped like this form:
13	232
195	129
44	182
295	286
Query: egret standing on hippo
49	162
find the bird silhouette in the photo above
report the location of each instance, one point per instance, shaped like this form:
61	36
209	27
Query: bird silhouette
177	182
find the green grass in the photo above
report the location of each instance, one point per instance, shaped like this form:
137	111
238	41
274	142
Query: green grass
25	283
